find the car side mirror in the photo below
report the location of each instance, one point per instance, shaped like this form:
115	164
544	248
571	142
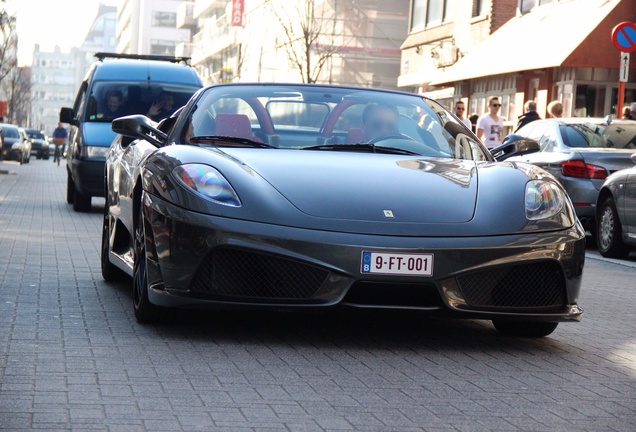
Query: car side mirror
633	157
515	145
67	115
139	127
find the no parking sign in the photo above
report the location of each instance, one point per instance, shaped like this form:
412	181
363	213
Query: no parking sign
624	36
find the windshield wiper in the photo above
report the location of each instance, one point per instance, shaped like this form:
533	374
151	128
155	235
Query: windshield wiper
216	139
368	147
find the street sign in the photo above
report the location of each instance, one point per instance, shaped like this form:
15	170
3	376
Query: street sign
624	36
623	72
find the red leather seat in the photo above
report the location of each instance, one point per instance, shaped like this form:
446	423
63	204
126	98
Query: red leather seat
233	125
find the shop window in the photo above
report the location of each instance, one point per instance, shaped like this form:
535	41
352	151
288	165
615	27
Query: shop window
590	101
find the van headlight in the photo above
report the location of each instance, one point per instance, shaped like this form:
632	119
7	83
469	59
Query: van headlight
94	152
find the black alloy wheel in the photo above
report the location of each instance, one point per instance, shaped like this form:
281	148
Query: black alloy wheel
524	328
145	312
609	231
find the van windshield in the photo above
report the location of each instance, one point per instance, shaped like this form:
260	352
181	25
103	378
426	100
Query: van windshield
109	100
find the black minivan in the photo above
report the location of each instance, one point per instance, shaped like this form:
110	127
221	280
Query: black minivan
118	85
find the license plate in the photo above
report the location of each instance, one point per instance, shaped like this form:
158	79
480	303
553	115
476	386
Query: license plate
397	264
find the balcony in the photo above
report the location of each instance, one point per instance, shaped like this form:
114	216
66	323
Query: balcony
184	49
204	8
214	37
185	16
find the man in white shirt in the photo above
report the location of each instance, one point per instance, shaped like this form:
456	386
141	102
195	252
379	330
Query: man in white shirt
460	109
490	126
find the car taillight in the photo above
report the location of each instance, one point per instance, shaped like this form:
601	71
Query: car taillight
578	168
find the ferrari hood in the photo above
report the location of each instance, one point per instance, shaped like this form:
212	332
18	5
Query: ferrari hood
369	187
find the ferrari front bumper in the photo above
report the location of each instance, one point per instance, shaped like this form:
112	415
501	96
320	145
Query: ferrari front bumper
197	260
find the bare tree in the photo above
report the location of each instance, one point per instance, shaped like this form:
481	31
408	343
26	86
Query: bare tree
17	88
8	42
309	35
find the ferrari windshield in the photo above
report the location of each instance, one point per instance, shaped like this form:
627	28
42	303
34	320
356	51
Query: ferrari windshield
328	118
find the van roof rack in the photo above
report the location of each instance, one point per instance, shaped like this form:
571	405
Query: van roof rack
104	55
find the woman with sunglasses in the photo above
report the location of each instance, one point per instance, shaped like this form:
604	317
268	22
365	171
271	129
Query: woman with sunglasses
490	126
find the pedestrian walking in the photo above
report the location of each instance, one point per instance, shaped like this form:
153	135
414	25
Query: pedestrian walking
555	109
530	114
490	126
474	117
59	140
460	109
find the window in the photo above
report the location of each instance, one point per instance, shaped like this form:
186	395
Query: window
162	47
417	15
429	13
479	7
164	19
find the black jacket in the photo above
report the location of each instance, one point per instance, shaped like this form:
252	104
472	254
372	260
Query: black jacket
526	118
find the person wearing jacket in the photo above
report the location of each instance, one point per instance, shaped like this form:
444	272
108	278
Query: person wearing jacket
529	114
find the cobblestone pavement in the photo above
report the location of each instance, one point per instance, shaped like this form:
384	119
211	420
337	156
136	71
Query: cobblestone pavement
72	356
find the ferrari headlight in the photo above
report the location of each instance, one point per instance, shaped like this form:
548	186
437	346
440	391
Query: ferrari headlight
544	199
208	183
94	151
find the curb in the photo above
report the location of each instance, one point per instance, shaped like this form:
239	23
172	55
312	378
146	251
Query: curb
628	262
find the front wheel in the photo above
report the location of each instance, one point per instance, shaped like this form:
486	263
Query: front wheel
145	312
81	202
609	231
524	328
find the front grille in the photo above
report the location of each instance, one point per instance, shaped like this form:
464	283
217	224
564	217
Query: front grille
406	295
536	285
233	273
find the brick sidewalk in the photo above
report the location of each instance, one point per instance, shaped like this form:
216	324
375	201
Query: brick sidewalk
72	356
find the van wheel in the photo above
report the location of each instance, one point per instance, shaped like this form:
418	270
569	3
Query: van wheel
81	202
70	189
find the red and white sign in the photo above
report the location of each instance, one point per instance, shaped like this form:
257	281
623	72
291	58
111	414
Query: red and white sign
237	13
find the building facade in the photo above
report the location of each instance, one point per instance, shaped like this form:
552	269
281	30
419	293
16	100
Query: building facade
327	41
56	76
549	50
440	33
149	27
52	86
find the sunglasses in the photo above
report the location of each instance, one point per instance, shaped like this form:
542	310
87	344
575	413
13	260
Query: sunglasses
460	108
495	105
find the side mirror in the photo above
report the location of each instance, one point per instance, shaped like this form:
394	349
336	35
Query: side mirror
515	145
139	127
633	157
67	115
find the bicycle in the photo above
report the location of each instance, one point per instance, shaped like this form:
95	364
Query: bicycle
57	154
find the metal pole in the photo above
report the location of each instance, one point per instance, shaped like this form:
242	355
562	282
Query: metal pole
621	99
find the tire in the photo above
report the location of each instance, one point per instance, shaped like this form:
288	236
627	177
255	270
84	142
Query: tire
81	202
524	328
70	189
145	312
38	157
110	272
609	231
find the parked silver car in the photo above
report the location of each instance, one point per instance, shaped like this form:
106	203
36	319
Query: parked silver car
616	214
581	153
